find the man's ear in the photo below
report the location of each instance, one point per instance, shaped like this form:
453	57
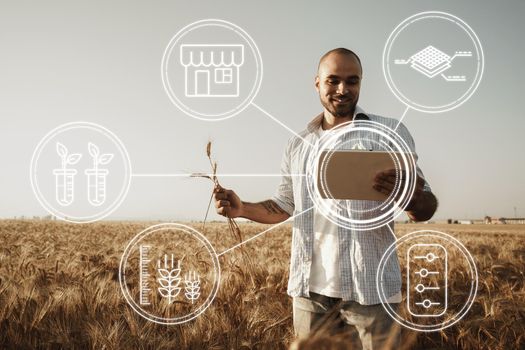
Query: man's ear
317	81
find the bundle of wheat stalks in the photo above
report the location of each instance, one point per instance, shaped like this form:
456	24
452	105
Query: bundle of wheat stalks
234	227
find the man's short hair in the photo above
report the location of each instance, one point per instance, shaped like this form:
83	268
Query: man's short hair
340	51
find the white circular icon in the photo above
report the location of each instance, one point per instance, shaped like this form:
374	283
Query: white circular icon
440	280
80	172
433	62
211	70
360	136
169	273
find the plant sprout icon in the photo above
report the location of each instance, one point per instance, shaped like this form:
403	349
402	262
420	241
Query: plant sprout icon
169	279
64	176
96	176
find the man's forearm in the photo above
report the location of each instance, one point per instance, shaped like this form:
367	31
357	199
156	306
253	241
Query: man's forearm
424	208
266	212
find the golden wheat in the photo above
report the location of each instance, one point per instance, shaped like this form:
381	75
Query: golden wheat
59	289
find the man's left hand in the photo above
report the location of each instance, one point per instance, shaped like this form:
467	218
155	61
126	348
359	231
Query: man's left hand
421	206
385	182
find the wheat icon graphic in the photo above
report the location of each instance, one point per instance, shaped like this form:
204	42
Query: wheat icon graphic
169	279
192	286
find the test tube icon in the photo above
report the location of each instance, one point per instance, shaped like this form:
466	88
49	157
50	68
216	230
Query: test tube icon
64	184
64	176
96	185
96	176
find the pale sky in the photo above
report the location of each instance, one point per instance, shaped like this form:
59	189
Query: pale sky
99	61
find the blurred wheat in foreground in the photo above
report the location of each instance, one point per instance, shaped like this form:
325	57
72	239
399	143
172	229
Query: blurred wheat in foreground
59	289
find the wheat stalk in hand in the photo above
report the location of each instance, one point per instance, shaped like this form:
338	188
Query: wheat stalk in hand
234	227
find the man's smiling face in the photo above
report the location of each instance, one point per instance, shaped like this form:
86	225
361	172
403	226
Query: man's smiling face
338	82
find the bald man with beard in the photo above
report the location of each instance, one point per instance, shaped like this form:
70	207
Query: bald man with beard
332	268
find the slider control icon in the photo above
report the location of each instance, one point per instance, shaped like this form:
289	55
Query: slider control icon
431	61
427	283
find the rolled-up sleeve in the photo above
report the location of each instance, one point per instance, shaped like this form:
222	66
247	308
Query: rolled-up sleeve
284	195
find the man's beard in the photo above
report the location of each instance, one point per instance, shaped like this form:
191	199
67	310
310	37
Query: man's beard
343	111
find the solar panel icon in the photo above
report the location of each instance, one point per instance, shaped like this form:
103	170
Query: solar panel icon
431	61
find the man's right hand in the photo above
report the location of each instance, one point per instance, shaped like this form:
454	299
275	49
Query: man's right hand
230	205
227	202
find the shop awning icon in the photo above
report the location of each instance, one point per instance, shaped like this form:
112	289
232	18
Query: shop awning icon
212	70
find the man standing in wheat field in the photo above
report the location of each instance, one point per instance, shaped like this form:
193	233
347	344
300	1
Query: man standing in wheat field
332	268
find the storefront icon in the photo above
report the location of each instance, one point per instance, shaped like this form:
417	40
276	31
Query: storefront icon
212	70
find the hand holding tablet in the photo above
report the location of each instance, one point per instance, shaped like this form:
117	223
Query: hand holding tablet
359	175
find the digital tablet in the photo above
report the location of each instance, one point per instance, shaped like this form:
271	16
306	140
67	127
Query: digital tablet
349	174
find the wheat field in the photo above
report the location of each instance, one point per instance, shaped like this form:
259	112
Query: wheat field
59	288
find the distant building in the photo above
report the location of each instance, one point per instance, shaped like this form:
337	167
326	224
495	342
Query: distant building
502	221
512	220
466	222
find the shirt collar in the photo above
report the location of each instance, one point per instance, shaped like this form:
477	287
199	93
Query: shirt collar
315	123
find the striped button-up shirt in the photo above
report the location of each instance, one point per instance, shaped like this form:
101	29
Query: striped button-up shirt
359	251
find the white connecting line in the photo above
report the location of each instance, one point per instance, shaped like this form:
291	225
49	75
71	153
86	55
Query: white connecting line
260	233
259	175
218	175
391	231
281	124
304	211
269	175
401	119
302	138
242	175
